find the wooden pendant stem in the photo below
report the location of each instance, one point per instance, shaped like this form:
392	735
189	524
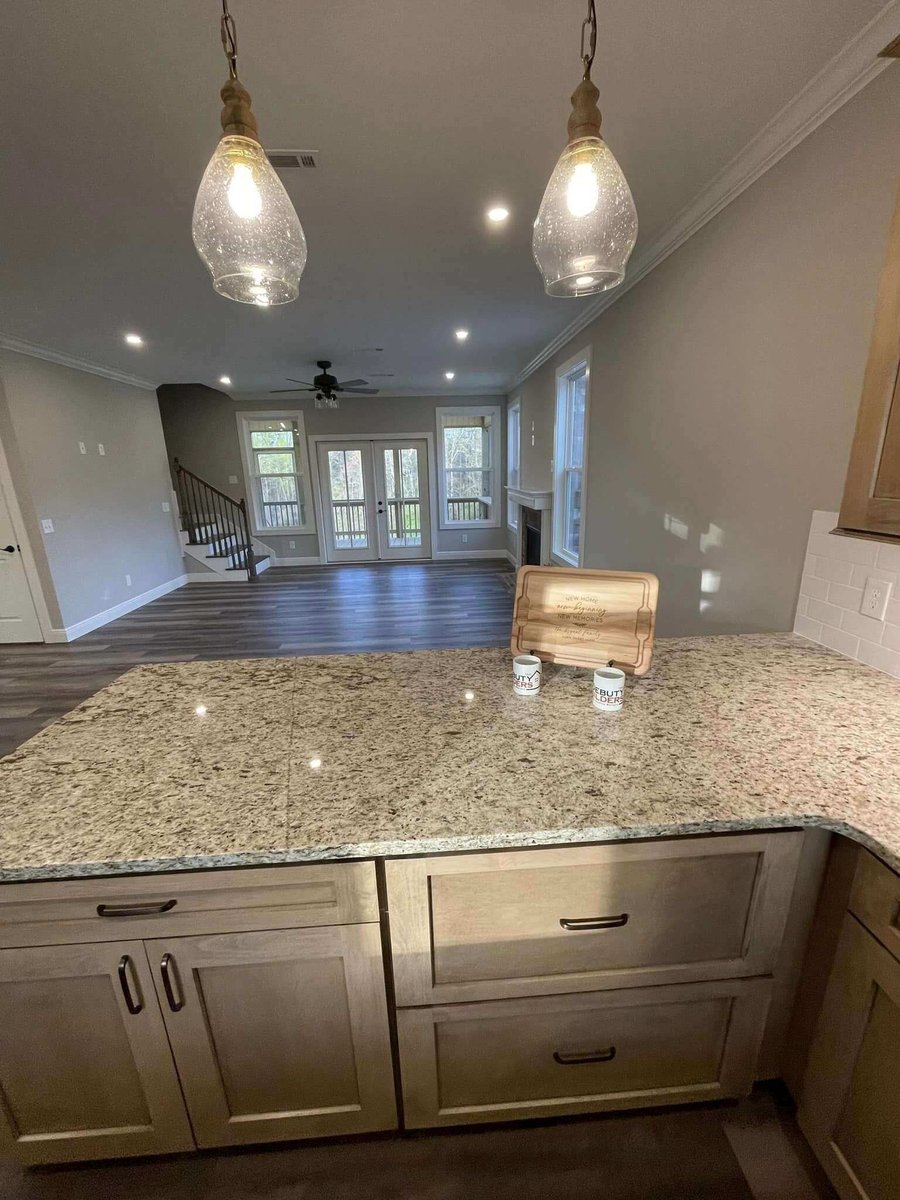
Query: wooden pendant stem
237	116
584	120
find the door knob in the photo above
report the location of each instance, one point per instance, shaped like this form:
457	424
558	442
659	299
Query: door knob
8	549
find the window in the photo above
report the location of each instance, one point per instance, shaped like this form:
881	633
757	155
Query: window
469	441
570	437
513	451
273	447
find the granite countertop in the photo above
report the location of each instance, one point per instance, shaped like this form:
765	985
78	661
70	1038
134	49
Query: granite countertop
379	754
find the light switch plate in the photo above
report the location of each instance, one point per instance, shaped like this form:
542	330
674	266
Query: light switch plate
875	598
101	449
167	507
232	478
46	525
128	581
82	448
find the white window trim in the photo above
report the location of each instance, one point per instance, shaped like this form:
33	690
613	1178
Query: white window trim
302	454
464	410
568	368
512	508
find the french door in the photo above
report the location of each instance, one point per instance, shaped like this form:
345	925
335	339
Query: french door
375	499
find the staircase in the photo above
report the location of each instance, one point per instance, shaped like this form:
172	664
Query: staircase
215	531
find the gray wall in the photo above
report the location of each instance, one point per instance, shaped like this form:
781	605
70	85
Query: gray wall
724	386
200	429
106	510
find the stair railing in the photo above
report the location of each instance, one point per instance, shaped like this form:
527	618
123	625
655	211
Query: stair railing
211	518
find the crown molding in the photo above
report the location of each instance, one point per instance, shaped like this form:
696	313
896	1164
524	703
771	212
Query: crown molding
854	66
33	350
499	391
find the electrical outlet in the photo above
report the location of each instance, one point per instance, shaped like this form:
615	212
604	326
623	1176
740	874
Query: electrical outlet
128	581
465	537
875	598
167	507
46	525
82	448
292	545
101	449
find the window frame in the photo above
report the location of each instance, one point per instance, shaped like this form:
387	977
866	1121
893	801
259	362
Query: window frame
495	412
574	366
302	472
513	460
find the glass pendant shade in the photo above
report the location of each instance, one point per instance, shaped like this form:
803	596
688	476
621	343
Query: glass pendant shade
587	224
245	227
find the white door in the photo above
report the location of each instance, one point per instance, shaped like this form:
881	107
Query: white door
375	499
18	619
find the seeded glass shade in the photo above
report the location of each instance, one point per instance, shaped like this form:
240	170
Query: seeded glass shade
587	224
245	227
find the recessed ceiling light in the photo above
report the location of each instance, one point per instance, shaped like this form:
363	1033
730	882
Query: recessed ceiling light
462	334
226	379
497	214
134	339
449	374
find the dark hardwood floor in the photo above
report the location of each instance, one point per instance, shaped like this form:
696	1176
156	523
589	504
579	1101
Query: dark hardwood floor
747	1151
288	611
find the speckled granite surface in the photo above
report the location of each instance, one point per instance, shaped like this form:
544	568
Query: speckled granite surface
725	733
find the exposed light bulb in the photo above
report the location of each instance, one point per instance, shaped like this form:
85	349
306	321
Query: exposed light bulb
449	374
497	214
225	380
583	190
243	194
462	334
584	280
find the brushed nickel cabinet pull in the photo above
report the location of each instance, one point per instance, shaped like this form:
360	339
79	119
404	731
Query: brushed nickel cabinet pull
576	1058
135	910
133	1006
169	971
577	924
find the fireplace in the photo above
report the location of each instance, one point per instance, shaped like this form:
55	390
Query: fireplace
531	522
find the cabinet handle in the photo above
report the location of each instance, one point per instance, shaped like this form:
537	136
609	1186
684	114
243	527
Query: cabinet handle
135	910
585	1056
582	923
133	1006
169	970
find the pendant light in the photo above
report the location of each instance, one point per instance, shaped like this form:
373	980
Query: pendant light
245	227
587	224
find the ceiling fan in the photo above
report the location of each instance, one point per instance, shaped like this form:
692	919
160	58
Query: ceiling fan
327	387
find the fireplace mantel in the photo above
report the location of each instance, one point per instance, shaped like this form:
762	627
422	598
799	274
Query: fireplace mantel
531	499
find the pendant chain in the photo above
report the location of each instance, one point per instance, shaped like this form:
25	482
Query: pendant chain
229	39
588	39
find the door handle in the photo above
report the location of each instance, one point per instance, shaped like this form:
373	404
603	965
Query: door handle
169	971
576	924
133	1006
135	910
8	549
576	1058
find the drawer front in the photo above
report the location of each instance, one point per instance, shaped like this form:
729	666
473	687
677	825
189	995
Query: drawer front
96	910
530	922
552	1055
875	900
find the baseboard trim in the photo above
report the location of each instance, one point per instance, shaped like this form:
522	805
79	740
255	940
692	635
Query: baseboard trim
469	554
311	560
71	633
513	561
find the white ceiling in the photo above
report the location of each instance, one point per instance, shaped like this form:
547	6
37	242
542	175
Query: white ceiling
423	113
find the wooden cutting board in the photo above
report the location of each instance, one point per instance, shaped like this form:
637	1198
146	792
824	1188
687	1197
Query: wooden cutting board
586	618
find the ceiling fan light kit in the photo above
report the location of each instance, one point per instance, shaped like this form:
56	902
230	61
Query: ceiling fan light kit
245	227
587	223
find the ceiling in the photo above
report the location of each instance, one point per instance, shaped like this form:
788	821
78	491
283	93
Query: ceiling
423	113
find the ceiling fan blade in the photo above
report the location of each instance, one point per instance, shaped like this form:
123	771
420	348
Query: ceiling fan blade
360	391
349	383
278	391
291	379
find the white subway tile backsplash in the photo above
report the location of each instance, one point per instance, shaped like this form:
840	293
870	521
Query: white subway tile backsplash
828	614
835	571
811	586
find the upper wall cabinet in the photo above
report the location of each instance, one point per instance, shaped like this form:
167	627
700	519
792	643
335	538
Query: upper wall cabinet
871	501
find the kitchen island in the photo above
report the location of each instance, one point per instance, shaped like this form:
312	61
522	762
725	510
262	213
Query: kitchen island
263	900
213	764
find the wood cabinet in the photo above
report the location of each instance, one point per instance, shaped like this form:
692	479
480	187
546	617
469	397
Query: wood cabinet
871	502
850	1107
280	1034
85	1068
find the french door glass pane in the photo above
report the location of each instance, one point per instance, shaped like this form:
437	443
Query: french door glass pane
348	506
404	508
572	525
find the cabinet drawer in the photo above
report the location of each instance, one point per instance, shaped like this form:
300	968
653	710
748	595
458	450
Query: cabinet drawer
531	922
504	1059
96	910
875	900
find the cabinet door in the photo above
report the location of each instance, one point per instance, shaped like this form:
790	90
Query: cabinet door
850	1100
85	1066
278	1035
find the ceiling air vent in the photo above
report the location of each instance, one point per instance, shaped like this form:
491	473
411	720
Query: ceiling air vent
291	160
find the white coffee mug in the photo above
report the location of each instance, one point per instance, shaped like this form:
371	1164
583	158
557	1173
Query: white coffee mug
609	689
526	674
